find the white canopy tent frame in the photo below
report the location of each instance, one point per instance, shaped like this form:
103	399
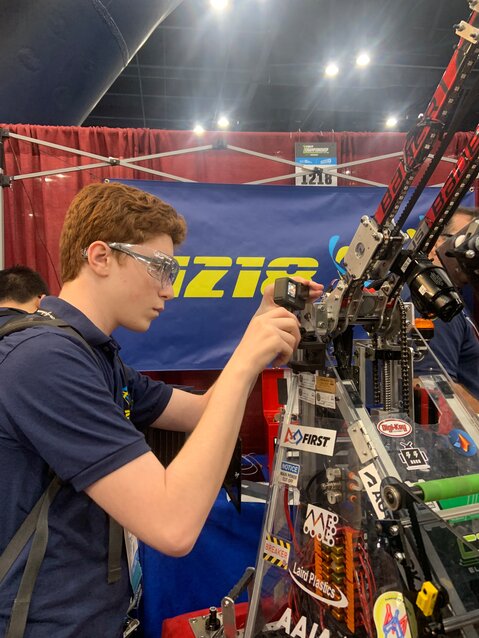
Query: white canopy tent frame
131	163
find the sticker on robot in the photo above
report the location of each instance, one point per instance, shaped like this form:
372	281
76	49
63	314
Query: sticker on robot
307	380
301	629
321	524
326	384
276	551
307	439
289	473
372	484
394	428
305	394
326	399
462	443
394	616
414	458
321	590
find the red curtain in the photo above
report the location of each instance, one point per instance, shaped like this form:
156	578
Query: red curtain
35	207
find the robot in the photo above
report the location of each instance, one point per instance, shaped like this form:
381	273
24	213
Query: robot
372	521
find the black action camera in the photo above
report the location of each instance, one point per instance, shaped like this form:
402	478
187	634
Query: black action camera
290	294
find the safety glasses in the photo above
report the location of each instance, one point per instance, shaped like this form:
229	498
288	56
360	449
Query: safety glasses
160	266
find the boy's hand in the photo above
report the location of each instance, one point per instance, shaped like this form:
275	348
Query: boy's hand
271	336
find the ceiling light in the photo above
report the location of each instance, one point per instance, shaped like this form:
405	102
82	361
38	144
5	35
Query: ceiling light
223	122
331	70
199	129
219	5
391	121
363	59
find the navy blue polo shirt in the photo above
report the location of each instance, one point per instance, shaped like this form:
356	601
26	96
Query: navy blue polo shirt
456	345
61	407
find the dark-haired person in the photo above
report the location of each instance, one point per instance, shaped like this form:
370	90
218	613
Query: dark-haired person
456	343
21	290
81	414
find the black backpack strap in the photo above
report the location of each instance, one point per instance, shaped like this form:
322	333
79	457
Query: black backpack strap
115	548
33	321
116	533
36	523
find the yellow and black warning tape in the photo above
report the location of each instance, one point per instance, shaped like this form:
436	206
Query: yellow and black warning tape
276	551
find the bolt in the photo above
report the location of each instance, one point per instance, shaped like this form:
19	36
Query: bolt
212	622
394	530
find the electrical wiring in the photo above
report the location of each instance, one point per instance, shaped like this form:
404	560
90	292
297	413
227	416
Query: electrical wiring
364	581
252	466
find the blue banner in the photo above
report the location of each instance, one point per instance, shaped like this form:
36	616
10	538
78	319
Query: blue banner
240	238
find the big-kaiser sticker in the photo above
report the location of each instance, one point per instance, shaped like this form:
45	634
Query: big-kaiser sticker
395	428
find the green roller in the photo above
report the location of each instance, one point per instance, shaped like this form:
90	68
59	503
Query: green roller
454	487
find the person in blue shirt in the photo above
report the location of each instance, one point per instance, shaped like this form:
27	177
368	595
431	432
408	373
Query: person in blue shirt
21	288
455	343
78	412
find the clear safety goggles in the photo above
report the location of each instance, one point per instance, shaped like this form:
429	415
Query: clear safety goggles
160	266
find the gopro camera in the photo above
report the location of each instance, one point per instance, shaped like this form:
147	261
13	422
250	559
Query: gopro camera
290	294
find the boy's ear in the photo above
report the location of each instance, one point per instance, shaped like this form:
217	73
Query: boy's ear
99	256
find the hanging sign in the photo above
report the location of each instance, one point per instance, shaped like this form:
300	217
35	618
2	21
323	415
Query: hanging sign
316	156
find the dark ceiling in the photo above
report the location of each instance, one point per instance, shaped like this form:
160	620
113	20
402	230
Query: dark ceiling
262	64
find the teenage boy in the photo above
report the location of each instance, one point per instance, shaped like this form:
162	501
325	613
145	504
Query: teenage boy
78	412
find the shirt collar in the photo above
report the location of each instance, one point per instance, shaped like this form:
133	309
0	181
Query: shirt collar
5	310
61	309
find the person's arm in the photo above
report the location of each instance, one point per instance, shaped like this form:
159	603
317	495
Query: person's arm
166	508
466	397
185	409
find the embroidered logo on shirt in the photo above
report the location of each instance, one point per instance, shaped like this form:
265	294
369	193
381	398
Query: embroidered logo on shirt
127	402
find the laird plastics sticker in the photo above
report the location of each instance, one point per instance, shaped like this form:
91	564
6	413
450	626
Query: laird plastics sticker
322	590
289	473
